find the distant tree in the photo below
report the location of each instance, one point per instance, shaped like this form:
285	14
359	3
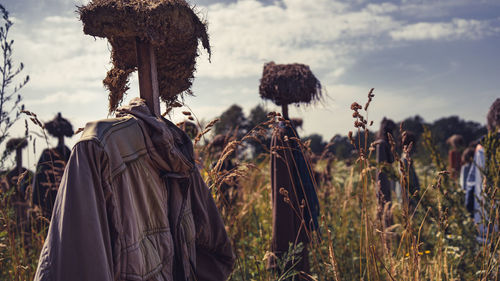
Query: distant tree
444	128
414	124
317	144
232	119
257	115
10	99
341	147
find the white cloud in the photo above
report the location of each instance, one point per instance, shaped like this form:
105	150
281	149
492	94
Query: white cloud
382	8
454	30
67	67
78	97
323	34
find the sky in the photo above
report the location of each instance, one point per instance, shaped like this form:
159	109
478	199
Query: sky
434	58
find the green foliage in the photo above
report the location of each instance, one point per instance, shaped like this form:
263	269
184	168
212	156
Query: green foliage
316	143
230	120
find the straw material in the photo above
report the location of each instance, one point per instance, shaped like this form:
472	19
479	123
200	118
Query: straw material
170	26
289	83
16	143
59	127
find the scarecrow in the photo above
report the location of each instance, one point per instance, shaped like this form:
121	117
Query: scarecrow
18	180
19	172
51	164
385	159
410	185
132	204
294	200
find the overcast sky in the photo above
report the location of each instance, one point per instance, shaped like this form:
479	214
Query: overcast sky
434	58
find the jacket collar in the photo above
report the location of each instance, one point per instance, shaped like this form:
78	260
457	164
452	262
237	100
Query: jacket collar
169	147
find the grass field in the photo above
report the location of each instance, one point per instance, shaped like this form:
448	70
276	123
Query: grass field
435	241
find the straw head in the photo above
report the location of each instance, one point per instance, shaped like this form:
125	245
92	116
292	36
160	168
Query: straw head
16	143
171	26
289	83
59	127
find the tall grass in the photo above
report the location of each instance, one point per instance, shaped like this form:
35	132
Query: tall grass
433	239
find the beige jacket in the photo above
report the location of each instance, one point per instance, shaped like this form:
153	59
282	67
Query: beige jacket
132	206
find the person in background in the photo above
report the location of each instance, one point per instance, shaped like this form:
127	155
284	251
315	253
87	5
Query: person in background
384	161
474	194
467	159
50	167
456	143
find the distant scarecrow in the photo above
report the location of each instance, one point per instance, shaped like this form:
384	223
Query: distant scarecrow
19	176
294	200
456	143
18	180
50	167
385	159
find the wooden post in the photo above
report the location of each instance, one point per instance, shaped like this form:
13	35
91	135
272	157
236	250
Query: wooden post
284	111
148	77
19	160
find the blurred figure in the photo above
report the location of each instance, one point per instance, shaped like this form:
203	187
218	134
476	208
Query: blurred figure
19	177
410	183
456	143
17	182
474	194
467	163
50	167
384	161
189	128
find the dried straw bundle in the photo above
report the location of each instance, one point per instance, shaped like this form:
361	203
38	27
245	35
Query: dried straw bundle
59	127
289	83
16	143
170	26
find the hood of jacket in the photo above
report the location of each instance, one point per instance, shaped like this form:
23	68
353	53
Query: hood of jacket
168	146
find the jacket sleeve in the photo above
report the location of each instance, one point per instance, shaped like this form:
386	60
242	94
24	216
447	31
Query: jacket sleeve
78	245
214	254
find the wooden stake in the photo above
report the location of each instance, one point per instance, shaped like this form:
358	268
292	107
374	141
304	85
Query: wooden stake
148	77
19	160
284	111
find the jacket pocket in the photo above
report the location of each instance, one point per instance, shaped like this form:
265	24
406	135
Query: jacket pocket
150	258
